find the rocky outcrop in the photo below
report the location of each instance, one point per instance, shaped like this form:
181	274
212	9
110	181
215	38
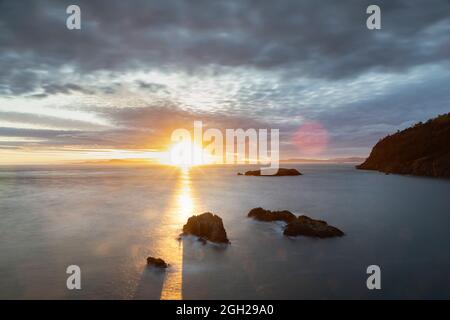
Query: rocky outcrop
422	150
268	216
306	226
206	226
280	172
296	226
157	262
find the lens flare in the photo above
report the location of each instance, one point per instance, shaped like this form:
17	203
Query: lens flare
311	138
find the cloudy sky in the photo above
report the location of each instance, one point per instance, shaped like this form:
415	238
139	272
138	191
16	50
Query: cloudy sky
139	69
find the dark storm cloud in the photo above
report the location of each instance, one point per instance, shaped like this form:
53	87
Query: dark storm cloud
326	40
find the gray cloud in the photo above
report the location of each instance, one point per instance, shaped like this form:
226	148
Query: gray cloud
329	40
319	54
48	121
34	133
133	128
68	88
152	87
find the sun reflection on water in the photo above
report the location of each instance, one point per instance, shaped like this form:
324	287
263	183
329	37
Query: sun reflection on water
185	203
172	288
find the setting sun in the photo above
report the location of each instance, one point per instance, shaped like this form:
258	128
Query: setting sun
187	154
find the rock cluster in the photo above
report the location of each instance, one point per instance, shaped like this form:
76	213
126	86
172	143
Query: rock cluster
296	226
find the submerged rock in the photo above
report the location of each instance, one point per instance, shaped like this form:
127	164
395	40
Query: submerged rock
157	262
280	172
268	216
306	226
206	226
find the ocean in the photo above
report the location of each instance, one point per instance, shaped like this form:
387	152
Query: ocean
107	220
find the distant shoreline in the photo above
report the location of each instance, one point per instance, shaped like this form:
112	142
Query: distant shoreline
144	162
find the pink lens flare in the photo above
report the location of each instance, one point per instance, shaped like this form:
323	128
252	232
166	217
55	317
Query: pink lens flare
311	138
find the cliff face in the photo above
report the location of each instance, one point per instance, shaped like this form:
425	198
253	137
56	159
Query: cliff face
422	150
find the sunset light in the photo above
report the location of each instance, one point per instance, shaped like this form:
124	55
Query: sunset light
231	154
187	154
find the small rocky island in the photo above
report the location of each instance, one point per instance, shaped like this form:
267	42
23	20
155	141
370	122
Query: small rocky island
306	226
422	150
206	226
296	226
280	172
261	214
157	262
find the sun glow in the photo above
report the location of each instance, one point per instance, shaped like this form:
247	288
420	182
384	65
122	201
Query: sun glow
186	154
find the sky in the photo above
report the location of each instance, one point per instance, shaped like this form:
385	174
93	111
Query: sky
139	69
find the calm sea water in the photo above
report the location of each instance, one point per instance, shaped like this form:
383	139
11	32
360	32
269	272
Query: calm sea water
108	220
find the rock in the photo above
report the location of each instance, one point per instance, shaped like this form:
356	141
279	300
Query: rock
157	262
268	216
207	226
240	174
306	226
280	172
296	226
421	150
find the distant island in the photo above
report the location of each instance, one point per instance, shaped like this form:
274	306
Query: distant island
279	173
422	150
118	162
331	160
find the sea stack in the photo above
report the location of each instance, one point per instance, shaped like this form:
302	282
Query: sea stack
206	226
157	262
